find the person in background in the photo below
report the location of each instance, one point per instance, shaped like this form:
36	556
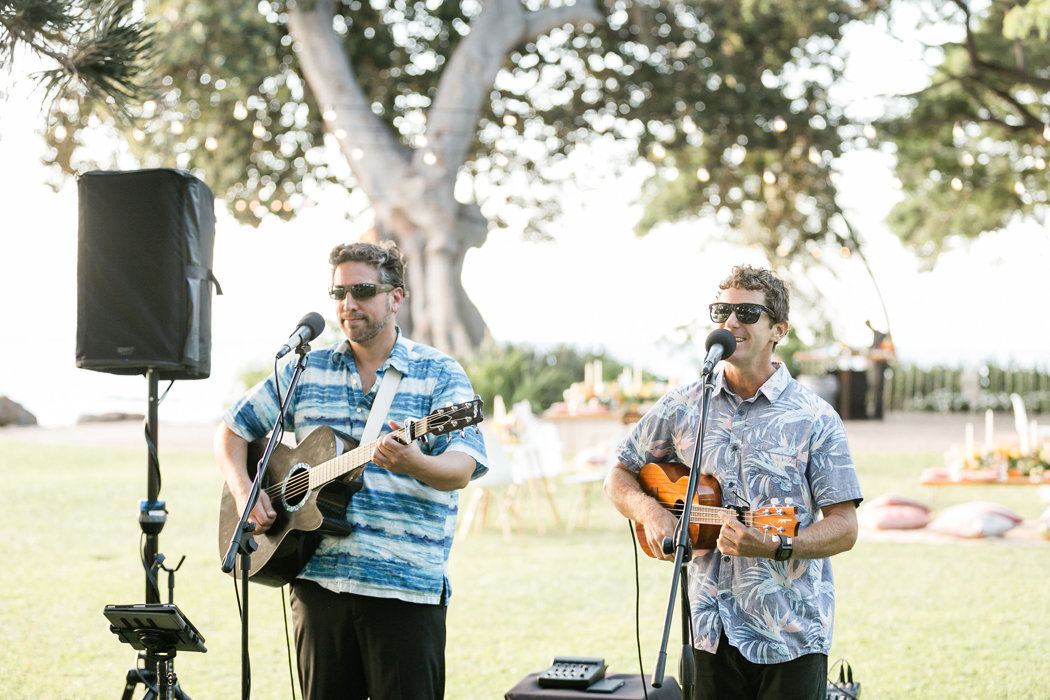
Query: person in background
762	604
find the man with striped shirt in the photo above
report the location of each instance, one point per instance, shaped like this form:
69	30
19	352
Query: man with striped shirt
369	608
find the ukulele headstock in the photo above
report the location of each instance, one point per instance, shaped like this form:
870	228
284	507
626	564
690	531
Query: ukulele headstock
779	520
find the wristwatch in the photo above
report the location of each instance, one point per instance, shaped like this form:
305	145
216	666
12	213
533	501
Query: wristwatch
783	549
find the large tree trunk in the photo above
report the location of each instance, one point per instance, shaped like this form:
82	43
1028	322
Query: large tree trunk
411	192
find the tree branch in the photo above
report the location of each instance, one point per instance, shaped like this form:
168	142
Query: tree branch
377	159
472	69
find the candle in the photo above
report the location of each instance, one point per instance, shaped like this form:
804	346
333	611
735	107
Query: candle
989	437
968	455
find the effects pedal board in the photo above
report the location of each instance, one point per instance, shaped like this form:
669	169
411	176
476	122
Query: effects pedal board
572	672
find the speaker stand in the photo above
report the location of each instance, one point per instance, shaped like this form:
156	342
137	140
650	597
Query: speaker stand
158	676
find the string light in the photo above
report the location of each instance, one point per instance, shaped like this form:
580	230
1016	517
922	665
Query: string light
780	125
957	184
240	112
769	177
1019	188
702	174
967	159
869	131
429	158
211	143
357	154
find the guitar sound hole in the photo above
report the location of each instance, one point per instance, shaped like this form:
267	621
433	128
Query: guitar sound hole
296	488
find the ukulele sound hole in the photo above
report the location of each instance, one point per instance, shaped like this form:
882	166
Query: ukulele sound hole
296	488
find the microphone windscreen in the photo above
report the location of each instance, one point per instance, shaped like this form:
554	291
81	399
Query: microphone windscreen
724	338
315	322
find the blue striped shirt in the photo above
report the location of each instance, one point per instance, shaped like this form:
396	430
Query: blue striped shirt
402	529
785	446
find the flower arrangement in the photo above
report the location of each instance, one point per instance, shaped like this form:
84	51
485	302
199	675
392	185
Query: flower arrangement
1034	462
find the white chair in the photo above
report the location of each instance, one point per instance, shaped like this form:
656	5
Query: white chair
497	486
540	458
590	467
1029	432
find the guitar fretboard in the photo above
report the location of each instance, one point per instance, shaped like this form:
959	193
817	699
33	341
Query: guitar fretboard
362	454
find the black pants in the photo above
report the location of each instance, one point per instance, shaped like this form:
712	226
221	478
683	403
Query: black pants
727	675
352	647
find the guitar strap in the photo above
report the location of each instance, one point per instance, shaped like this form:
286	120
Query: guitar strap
381	406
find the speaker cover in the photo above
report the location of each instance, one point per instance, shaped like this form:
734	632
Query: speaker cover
144	277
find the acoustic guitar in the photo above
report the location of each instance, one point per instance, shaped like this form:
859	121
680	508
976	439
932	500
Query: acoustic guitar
667	482
310	487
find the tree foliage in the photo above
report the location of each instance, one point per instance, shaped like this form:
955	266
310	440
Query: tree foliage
757	134
972	147
737	89
100	51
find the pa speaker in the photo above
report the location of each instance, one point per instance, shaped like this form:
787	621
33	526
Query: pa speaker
144	277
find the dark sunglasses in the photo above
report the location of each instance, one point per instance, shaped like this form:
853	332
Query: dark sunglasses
360	292
745	313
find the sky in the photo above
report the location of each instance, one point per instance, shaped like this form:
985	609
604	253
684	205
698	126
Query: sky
596	285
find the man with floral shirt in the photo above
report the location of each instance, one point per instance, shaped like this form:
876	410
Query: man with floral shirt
762	605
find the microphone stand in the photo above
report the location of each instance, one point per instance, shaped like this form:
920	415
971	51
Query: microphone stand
242	544
683	553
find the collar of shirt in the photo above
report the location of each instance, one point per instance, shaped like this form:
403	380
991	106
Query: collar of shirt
771	389
398	357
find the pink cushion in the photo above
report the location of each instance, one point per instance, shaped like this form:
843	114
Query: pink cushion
975	519
893	512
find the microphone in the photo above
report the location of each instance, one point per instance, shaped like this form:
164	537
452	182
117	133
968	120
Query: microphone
720	343
310	326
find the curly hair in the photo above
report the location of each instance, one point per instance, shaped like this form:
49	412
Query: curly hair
761	279
384	256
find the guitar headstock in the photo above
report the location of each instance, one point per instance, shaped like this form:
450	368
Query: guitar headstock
447	420
778	519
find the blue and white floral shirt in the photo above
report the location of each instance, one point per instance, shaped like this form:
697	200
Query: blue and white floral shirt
785	446
402	529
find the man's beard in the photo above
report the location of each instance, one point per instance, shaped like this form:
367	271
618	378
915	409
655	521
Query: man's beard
362	333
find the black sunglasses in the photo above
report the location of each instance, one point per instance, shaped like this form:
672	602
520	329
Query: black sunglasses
745	313
360	292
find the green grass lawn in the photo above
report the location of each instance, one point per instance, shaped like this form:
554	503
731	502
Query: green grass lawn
958	620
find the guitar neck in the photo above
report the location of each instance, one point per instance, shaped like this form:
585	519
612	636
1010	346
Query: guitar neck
345	463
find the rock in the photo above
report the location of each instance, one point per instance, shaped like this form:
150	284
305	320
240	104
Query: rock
12	413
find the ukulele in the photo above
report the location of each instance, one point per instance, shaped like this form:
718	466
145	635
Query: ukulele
667	482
